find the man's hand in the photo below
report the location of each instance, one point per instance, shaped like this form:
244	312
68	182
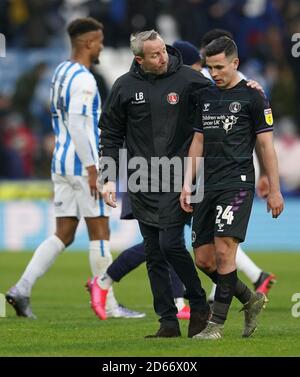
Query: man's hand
92	180
109	193
255	85
263	187
185	200
275	203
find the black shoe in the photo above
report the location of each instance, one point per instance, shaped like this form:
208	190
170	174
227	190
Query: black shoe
20	303
198	321
166	332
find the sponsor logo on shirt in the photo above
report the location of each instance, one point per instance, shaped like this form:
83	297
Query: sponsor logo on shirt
217	121
173	98
229	122
268	116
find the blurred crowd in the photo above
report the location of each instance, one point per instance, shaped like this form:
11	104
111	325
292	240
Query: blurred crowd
263	30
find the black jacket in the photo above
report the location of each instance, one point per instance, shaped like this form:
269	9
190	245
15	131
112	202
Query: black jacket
155	115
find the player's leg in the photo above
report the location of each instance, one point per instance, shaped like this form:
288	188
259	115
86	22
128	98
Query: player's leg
100	258
42	259
178	293
127	261
261	280
210	297
230	228
247	266
206	225
96	215
203	234
99	247
47	252
227	283
224	250
244	264
130	259
205	260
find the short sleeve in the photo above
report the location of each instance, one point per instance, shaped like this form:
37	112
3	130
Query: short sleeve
82	94
261	112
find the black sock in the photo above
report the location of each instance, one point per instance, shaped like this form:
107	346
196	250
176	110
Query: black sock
225	289
241	292
212	275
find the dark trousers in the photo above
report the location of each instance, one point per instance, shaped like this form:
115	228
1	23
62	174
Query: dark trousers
130	259
163	246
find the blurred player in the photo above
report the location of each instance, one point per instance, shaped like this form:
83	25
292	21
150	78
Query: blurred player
75	110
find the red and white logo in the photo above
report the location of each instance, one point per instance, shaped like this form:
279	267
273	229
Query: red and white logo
173	98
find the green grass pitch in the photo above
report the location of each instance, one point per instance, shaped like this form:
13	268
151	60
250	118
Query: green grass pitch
66	326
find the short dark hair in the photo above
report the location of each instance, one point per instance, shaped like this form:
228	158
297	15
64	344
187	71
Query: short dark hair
214	34
83	25
223	44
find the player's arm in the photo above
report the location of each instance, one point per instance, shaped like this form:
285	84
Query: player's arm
193	163
262	186
274	198
81	97
113	129
263	126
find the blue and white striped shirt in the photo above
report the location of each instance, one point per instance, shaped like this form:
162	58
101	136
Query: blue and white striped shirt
73	91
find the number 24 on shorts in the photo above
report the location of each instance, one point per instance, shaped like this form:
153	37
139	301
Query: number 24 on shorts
227	215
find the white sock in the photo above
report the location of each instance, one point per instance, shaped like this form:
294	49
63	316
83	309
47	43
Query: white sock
111	302
100	259
105	281
43	258
211	296
247	266
179	302
99	256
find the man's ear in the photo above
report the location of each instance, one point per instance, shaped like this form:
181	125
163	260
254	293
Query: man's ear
139	60
88	43
236	63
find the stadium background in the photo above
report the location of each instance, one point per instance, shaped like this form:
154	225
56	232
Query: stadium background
36	42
